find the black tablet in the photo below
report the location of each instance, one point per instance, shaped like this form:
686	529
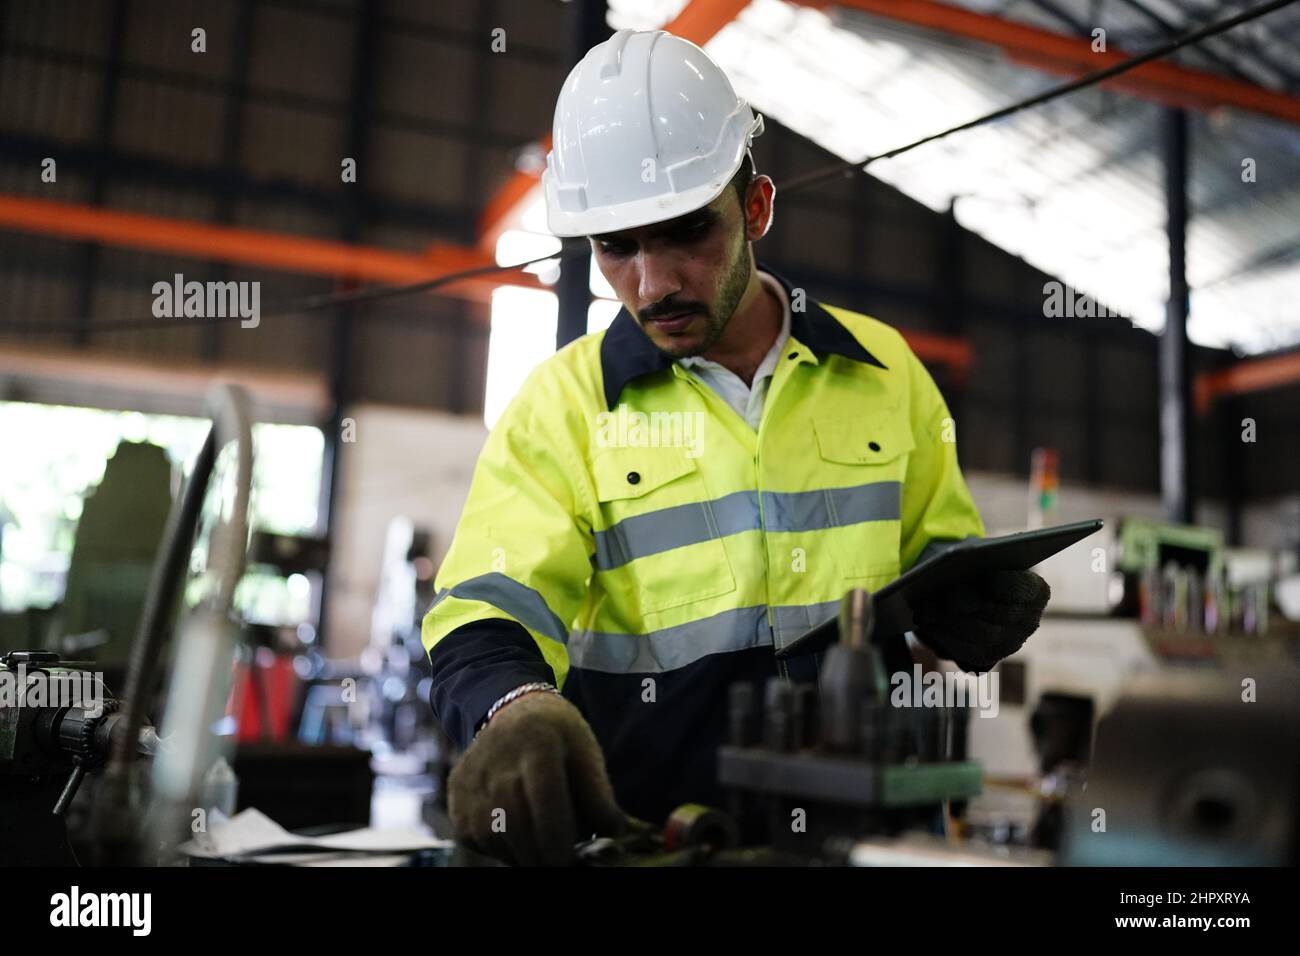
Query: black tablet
893	602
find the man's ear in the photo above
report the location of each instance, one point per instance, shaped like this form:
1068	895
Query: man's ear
760	199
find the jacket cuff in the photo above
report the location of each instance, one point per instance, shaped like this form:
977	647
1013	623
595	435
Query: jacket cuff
475	666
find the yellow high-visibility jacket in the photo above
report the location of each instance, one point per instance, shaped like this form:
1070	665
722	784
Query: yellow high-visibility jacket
631	539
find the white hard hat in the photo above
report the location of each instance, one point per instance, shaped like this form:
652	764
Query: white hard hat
647	128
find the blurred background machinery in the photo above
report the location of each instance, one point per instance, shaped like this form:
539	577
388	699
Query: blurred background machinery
65	721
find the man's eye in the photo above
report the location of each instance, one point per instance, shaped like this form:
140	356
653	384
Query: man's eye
616	248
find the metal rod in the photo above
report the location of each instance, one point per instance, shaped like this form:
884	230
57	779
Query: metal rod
1176	458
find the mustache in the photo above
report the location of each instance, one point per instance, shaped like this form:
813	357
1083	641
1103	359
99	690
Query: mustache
666	310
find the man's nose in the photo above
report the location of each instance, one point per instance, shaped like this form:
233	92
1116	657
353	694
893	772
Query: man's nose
658	278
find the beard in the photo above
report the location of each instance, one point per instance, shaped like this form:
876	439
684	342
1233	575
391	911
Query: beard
718	315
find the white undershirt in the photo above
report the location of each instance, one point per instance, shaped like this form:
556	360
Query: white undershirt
746	400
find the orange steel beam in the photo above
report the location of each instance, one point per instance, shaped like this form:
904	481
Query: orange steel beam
699	22
276	251
1252	375
1067	55
252	247
954	352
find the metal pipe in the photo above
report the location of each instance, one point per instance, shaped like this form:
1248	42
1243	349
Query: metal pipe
200	681
202	664
586	28
1176	458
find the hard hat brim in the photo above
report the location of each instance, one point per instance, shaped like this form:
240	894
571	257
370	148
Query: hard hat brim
628	215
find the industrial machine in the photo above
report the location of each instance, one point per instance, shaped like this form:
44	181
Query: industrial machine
396	659
1155	603
818	761
58	721
828	773
1187	767
122	521
1193	768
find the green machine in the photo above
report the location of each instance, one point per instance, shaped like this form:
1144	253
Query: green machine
1146	545
113	552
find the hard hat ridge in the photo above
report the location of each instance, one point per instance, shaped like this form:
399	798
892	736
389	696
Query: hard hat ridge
647	128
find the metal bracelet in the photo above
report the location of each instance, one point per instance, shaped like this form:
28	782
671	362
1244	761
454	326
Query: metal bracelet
515	695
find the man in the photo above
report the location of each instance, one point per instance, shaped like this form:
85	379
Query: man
665	503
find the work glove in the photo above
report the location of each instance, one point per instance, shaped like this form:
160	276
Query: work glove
977	622
533	782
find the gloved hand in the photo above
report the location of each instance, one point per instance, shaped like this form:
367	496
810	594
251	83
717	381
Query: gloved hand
539	762
977	622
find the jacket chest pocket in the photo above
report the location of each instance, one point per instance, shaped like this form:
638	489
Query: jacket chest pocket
661	540
864	463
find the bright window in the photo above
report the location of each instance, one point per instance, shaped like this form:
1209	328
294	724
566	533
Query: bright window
524	321
523	333
56	455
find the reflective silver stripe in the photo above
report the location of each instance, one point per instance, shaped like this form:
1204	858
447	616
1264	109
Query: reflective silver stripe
681	525
676	527
672	647
833	507
506	594
793	621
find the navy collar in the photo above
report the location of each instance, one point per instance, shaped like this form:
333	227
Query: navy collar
627	352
